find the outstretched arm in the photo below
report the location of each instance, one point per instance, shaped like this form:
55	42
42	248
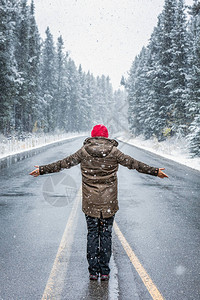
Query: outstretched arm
131	163
65	163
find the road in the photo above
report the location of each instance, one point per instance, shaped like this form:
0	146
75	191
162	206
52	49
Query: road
43	232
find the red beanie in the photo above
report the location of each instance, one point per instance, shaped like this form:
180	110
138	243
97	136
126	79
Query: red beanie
99	130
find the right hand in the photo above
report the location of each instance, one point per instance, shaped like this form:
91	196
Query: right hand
35	172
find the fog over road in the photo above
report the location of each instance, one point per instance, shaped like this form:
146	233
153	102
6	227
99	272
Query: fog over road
43	232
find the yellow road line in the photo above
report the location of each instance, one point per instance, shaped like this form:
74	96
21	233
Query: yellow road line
55	283
151	287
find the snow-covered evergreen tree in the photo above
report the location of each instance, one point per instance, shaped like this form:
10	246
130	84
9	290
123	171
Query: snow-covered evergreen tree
60	93
139	94
34	87
74	96
120	111
22	58
194	136
153	122
90	84
179	68
130	86
48	82
102	101
157	104
84	101
165	72
109	102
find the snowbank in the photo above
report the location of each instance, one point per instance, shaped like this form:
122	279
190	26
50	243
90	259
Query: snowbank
173	148
13	145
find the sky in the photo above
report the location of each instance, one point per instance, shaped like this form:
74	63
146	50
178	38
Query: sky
104	36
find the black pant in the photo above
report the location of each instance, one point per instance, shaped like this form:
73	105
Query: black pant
99	244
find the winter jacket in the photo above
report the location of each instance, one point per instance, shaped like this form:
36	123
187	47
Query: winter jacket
99	159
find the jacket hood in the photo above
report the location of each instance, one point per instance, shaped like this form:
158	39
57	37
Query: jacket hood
99	146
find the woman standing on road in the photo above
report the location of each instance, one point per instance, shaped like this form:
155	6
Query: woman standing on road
99	159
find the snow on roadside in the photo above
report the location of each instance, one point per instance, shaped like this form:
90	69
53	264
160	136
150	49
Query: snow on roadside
33	141
173	148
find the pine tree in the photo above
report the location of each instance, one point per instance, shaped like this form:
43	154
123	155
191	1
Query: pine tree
138	94
178	83
34	88
73	120
98	101
130	86
22	58
194	136
165	74
102	98
84	101
152	122
109	99
142	86
120	111
90	84
48	82
60	84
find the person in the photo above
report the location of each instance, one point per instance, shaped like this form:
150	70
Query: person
99	158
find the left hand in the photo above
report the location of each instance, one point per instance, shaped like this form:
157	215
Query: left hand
35	172
161	174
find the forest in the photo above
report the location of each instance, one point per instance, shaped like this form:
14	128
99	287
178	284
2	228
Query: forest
42	89
163	85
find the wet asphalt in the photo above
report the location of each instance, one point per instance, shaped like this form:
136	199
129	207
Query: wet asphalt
158	217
